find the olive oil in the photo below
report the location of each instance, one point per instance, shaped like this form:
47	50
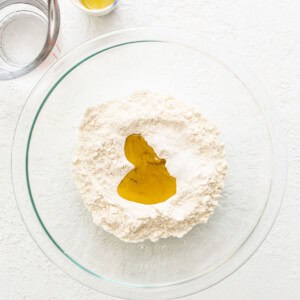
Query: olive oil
149	182
97	4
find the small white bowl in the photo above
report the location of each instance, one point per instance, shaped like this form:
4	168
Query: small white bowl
96	12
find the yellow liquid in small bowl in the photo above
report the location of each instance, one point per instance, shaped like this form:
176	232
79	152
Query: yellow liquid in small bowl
97	4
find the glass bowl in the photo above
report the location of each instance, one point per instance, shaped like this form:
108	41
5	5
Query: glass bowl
195	71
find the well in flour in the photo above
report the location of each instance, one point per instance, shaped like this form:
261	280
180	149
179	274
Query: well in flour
149	182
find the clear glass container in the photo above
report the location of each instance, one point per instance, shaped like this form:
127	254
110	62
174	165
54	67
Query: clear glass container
28	34
194	70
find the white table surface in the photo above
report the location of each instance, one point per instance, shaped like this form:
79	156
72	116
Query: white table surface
266	34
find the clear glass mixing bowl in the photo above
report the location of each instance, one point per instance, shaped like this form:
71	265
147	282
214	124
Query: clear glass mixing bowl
195	71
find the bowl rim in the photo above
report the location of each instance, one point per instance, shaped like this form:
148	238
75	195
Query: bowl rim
279	156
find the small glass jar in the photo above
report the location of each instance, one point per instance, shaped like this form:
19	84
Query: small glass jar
28	35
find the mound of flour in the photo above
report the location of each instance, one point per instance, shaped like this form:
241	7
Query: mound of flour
180	134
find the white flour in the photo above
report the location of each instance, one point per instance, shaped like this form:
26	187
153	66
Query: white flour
180	134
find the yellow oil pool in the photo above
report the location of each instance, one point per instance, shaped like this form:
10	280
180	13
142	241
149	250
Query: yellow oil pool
97	4
149	182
